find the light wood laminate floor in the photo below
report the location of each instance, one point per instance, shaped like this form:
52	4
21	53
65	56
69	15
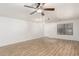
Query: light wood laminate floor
42	47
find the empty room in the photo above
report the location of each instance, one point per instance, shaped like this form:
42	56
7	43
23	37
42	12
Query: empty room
39	29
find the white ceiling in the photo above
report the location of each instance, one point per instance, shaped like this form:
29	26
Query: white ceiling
62	11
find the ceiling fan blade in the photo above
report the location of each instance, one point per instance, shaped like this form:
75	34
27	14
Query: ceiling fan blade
42	14
49	9
29	6
38	4
33	12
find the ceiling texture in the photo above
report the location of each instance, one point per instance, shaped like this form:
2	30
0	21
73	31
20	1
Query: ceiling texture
63	11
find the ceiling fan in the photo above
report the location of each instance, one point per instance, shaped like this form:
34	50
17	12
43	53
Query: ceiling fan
39	8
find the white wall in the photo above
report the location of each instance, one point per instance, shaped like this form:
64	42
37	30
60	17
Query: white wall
51	30
14	30
64	13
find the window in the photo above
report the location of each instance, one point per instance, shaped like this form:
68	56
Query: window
65	29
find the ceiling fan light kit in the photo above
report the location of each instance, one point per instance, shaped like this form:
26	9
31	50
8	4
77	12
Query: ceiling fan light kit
39	11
